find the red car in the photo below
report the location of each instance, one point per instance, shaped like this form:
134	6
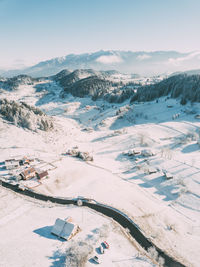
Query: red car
105	244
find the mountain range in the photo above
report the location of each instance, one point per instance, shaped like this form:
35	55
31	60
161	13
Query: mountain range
142	63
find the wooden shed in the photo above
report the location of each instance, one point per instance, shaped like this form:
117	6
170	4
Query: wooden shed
41	174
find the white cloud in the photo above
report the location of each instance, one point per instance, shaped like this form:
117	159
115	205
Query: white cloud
109	59
179	60
143	57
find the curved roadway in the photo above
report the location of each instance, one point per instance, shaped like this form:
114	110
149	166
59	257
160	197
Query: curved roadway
109	211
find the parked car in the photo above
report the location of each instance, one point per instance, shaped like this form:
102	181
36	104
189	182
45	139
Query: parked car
96	259
101	249
105	245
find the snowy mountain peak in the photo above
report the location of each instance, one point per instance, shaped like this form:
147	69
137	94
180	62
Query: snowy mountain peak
141	62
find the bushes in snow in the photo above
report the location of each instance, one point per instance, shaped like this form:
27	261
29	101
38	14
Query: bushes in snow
14	82
187	138
24	115
123	109
85	156
35	110
154	255
77	254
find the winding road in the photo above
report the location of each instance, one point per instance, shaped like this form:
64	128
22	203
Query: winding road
109	211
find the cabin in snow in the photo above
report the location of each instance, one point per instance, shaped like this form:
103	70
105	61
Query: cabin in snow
65	229
167	175
151	170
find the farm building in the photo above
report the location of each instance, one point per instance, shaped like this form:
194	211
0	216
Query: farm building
26	161
11	164
133	152
147	153
168	175
152	170
28	173
82	155
65	229
41	174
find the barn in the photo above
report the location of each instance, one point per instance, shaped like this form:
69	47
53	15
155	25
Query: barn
41	174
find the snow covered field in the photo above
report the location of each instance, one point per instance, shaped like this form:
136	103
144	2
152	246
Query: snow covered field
167	211
26	239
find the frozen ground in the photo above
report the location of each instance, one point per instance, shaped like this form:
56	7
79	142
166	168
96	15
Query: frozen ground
166	210
26	239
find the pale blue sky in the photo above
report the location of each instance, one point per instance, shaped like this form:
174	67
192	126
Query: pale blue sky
35	30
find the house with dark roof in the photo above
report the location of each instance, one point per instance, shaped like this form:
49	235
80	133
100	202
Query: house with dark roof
41	174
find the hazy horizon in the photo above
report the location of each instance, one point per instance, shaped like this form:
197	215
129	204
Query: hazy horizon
34	31
22	66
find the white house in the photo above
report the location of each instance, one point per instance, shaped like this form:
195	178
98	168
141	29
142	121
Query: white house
65	229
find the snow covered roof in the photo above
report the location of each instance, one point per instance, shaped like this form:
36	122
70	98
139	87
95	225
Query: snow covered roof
12	163
64	229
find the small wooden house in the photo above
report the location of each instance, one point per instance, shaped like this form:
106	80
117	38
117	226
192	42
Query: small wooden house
41	174
152	170
28	173
168	175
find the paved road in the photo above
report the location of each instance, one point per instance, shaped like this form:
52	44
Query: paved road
109	211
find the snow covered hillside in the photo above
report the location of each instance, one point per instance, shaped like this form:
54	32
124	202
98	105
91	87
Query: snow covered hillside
146	158
30	242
